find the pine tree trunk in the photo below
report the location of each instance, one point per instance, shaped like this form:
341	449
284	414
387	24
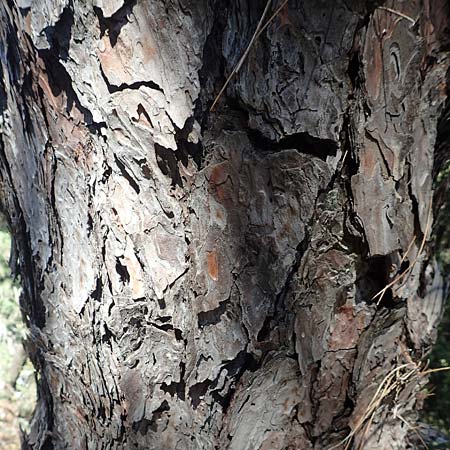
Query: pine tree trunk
198	279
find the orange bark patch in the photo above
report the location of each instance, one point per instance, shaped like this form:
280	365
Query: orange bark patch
374	57
213	265
148	51
218	173
220	184
346	328
369	158
223	193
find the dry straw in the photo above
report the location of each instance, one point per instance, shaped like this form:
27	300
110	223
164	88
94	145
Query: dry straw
394	381
404	274
259	29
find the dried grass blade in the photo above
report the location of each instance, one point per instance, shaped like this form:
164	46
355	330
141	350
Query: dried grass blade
243	57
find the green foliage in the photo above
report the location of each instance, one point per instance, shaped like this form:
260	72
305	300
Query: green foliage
437	406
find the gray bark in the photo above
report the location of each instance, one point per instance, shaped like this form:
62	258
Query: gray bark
205	280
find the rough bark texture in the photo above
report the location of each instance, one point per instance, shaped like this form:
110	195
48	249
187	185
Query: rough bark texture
204	280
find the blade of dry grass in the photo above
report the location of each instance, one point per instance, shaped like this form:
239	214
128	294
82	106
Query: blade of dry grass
439	369
277	11
244	55
259	29
398	278
416	431
386	386
398	13
393	381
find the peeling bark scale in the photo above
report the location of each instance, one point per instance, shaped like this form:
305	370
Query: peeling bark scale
205	280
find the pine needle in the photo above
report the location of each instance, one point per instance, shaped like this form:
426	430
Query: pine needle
398	13
275	14
381	293
259	29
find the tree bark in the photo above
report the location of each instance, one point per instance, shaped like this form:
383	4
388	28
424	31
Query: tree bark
199	279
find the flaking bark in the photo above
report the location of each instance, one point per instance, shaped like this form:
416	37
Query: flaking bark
205	280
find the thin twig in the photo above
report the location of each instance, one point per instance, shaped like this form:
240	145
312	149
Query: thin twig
408	249
439	369
384	290
418	433
391	382
275	14
381	293
244	55
259	29
387	386
398	13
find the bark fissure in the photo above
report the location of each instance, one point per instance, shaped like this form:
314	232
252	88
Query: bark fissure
198	279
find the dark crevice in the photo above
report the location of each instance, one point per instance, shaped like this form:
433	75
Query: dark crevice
59	35
243	362
3	95
302	142
185	148
168	327
212	72
235	368
112	88
122	271
146	171
13	55
168	164
107	171
26	92
107	335
415	206
58	232
197	392
212	316
373	276
142	426
47	444
354	70
60	81
164	319
161	303
95	128
177	388
44	392
127	175
96	294
101	413
30	297
273	319
89	223
354	233
113	25
169	159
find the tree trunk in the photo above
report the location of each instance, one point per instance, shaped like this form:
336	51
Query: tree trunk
198	279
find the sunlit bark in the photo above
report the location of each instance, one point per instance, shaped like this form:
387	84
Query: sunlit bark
206	280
